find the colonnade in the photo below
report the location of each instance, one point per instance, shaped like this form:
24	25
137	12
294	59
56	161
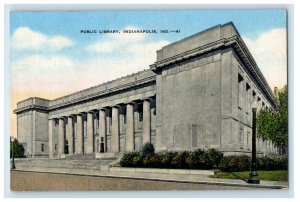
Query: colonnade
67	131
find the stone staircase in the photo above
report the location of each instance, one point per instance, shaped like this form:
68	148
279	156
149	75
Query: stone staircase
77	161
81	157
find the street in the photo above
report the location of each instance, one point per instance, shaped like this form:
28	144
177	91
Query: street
36	181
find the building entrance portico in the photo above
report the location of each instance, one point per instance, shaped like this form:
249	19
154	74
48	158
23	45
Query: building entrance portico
122	127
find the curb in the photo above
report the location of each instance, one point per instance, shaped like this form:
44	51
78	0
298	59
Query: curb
164	171
108	174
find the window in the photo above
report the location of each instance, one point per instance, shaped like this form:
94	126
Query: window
42	148
247	87
125	117
140	116
109	120
240	78
123	113
140	112
241	138
253	95
248	98
248	141
55	147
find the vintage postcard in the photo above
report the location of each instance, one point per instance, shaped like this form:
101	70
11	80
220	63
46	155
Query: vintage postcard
148	100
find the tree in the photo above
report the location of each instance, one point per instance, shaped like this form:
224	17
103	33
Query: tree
273	126
17	148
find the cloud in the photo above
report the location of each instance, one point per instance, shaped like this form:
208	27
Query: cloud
270	53
38	73
26	39
146	51
41	73
102	46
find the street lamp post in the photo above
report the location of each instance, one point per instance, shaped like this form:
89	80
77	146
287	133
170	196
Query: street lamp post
253	174
12	155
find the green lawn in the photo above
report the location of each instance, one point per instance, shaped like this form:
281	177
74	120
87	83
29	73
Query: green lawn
277	175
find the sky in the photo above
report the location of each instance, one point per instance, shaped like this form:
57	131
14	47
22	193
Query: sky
51	57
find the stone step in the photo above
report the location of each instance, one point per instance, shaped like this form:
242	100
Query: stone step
81	157
79	161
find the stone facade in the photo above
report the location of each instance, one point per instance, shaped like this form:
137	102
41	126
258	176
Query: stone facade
197	94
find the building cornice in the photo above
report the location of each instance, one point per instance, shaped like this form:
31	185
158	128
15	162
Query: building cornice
31	107
132	85
238	45
149	80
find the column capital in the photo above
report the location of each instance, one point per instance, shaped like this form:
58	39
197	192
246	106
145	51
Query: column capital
130	103
81	113
148	99
116	106
93	111
103	109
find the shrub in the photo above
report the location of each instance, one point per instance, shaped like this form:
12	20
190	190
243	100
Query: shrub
179	160
137	160
282	162
272	163
127	159
18	149
199	159
235	163
264	163
212	158
193	160
155	161
152	161
148	148
166	159
146	160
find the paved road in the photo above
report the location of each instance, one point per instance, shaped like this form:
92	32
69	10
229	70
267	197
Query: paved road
35	181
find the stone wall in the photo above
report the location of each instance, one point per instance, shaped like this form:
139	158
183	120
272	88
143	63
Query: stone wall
190	104
24	129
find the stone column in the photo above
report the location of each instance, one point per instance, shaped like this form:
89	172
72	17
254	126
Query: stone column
90	133
146	122
102	127
115	134
50	136
69	131
79	146
129	127
61	138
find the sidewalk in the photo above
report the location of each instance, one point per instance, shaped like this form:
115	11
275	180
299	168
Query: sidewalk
171	175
